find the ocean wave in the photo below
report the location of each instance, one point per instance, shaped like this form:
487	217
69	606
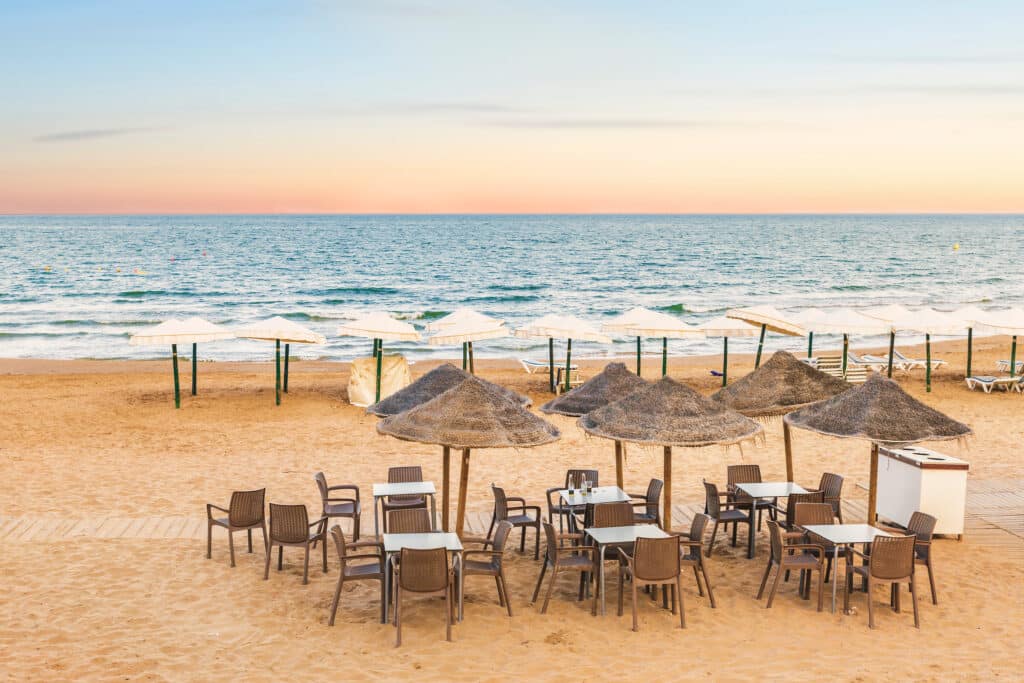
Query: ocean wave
358	291
507	299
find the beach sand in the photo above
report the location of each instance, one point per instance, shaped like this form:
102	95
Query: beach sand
102	478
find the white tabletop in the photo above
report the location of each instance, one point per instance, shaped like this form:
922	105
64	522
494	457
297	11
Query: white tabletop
403	489
771	489
625	534
842	534
598	494
393	543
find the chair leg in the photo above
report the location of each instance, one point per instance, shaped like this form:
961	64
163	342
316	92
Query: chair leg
775	587
622	585
355	528
383	603
266	569
913	599
551	588
536	544
248	532
263	530
522	539
504	591
540	580
696	577
323	545
280	557
231	545
398	615
678	590
714	532
707	582
821	588
305	567
636	625
931	581
209	540
448	613
849	589
735	526
871	609
764	579
490	529
337	597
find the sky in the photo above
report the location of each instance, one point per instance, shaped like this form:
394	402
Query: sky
407	106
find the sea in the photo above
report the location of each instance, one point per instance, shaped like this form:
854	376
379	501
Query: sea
80	286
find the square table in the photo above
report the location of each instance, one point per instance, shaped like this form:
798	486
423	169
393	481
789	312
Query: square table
616	536
843	535
766	489
597	496
393	544
422	488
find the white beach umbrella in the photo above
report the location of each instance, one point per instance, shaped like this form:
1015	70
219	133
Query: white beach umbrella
727	327
379	327
926	321
1009	321
888	313
844	321
566	327
461	316
465	326
768	318
277	330
643	322
174	332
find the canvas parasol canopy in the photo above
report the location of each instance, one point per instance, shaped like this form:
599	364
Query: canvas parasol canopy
432	384
174	332
726	327
882	413
641	322
1009	322
768	318
277	330
465	326
781	385
844	321
467	416
889	313
669	413
928	321
566	327
379	327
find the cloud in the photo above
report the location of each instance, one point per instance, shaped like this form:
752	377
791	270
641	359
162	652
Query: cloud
601	123
89	134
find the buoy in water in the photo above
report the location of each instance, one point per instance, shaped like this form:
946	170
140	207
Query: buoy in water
956	246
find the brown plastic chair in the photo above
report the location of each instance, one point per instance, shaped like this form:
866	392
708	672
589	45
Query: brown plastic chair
922	525
402	475
691	546
748	474
338	506
245	512
723	513
555	506
650	502
424	572
605	515
891	561
514	510
813	514
831	486
655	562
574	558
786	555
409	521
796	499
486	562
357	572
290	526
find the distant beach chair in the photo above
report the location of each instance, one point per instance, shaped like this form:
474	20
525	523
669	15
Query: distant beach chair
1004	365
833	365
988	383
575	379
531	366
813	362
916	363
871	362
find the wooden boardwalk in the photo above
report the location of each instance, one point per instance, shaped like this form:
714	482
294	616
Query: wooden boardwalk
995	518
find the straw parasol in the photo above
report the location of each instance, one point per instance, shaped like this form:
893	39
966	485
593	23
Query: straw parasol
726	327
844	321
566	327
642	322
768	318
1009	322
379	327
465	326
277	330
467	416
781	385
174	332
881	412
432	384
669	413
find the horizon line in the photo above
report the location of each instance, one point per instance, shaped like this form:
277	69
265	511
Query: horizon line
4	214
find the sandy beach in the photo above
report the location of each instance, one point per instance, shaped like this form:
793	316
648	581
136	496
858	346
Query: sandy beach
92	452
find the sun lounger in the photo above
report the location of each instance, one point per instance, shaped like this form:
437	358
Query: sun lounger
531	366
872	362
915	363
813	362
988	382
1004	365
833	365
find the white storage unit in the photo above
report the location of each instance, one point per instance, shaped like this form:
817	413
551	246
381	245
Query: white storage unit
914	478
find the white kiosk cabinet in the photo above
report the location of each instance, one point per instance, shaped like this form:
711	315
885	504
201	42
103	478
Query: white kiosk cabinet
914	478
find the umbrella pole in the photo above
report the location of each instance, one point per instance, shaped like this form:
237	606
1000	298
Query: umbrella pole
1013	356
873	485
460	514
618	464
551	365
193	369
760	346
664	356
380	358
284	387
787	440
892	349
568	356
970	343
928	361
174	362
810	344
472	368
666	518
725	361
446	468
465	356
277	365
638	357
846	352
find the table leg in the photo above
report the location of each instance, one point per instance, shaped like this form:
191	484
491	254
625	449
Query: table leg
462	585
753	521
376	523
835	574
433	512
600	581
387	588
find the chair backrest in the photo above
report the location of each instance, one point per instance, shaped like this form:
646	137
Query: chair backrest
775	534
813	513
589	475
289	523
500	503
405	475
711	500
551	540
612	514
501	533
892	557
423	571
656	559
831	485
797	498
246	507
321	483
697	527
743	474
409	521
339	542
922	525
654	495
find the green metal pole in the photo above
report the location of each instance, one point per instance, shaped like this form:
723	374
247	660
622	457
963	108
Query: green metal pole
174	362
1013	356
892	349
472	368
970	344
551	365
374	348
760	346
277	363
928	361
568	356
638	356
465	356
285	387
193	369
846	352
725	361
664	356
380	358
810	344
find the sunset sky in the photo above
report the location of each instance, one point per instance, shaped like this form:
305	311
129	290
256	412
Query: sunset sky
402	106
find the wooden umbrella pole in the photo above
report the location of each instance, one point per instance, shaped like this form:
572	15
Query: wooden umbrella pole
892	349
284	387
380	358
928	362
638	356
810	344
460	515
472	368
619	480
193	368
568	366
760	347
174	363
846	352
725	361
664	356
551	365
787	440
446	468
666	518
277	364
873	485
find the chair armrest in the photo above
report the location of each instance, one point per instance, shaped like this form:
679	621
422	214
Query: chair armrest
354	501
569	537
476	539
623	555
211	506
854	551
535	508
690	543
518	499
576	548
322	522
345	487
807	546
363	557
488	553
366	544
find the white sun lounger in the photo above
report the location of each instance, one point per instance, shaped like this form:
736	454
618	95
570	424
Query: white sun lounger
872	362
915	363
531	366
988	382
1004	365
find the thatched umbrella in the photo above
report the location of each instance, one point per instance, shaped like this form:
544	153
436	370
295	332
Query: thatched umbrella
470	415
669	413
783	384
881	412
433	384
613	383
